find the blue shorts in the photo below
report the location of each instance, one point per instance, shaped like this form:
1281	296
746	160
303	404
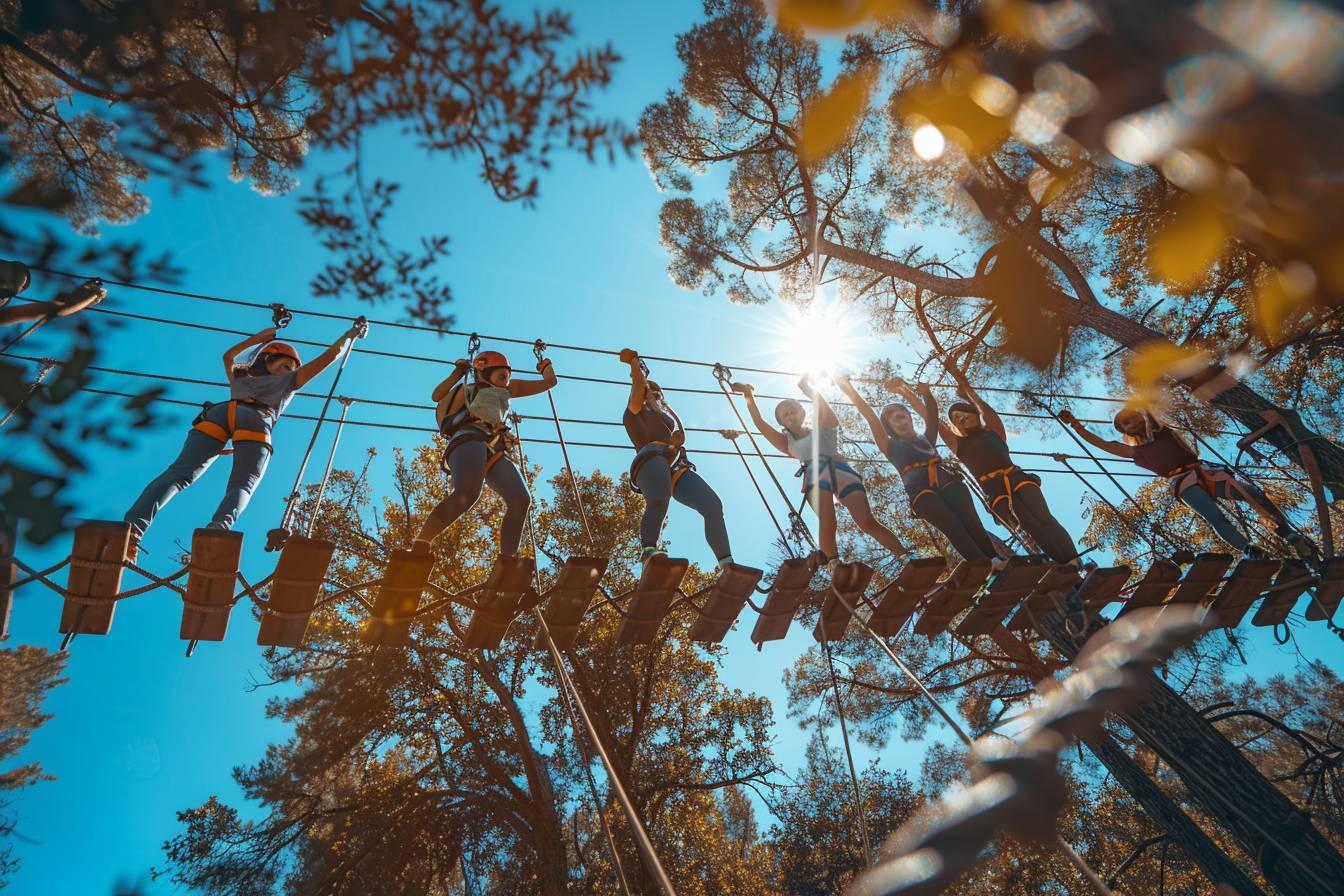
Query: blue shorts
837	477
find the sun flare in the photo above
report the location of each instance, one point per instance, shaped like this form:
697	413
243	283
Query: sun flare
820	338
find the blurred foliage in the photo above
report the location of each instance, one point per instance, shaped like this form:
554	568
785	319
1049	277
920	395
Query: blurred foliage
28	673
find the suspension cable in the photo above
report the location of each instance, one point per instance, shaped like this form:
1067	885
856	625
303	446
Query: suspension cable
326	474
849	752
731	436
47	365
539	349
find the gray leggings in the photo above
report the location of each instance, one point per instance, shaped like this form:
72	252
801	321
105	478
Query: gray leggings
951	511
198	453
655	481
466	466
1204	504
1035	517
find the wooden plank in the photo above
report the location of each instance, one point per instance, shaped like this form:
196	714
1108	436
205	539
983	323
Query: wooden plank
781	603
1243	588
1329	591
298	580
953	596
9	574
95	577
1153	588
398	598
722	602
212	572
651	600
499	601
568	598
895	604
1058	581
1200	579
1291	583
848	583
1006	590
1102	586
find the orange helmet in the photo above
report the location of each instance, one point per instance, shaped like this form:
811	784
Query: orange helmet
282	348
487	360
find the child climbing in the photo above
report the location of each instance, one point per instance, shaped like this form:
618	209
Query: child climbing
661	470
978	438
937	494
828	479
474	418
259	392
1155	446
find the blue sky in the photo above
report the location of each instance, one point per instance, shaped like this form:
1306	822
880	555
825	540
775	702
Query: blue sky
140	731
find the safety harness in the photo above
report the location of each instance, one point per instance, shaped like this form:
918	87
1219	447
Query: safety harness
461	427
1005	476
934	468
676	459
231	431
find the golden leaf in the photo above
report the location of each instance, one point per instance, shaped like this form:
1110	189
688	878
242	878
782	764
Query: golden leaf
957	115
830	117
838	15
1284	295
1152	361
1191	240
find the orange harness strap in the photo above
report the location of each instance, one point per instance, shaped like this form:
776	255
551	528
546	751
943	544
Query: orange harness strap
222	434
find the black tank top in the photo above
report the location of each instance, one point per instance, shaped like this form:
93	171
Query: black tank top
1164	454
648	426
904	452
983	451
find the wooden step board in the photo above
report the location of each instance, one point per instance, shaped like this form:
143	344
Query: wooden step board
1243	588
398	598
1153	588
1200	579
1013	646
1328	591
212	573
651	600
568	598
298	580
9	574
896	603
1102	586
849	581
1291	583
782	601
1048	594
95	577
499	601
953	596
1008	588
722	602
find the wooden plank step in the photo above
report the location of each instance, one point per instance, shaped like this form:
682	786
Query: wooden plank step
1153	588
652	599
849	581
211	575
1329	591
298	580
723	601
1200	579
786	593
895	604
568	598
1102	586
498	603
1291	583
1006	590
952	596
398	598
1243	588
1057	582
9	574
95	577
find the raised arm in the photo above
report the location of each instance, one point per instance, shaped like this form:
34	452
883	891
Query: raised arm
524	388
460	367
310	370
638	381
866	411
825	416
993	422
772	435
232	353
929	409
1119	449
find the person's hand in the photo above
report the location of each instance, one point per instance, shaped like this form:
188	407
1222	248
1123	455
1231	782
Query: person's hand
924	389
1066	417
267	334
678	438
546	368
746	389
629	356
461	364
358	330
898	385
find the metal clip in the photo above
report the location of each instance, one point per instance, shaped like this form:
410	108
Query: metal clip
281	316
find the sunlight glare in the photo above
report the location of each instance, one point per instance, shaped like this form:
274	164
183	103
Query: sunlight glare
929	142
820	339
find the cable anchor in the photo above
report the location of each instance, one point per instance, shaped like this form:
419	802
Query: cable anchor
723	374
281	316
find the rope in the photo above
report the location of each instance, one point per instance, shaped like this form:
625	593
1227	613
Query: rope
539	348
784	539
47	365
326	474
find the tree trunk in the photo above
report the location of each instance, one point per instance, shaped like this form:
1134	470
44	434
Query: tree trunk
1217	866
1290	852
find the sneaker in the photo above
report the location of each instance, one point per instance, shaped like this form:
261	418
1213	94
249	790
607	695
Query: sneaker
1255	552
725	564
1303	546
648	554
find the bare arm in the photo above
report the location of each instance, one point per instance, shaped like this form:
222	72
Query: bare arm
307	372
232	353
1119	449
825	416
638	382
442	389
990	416
524	388
866	411
924	402
772	435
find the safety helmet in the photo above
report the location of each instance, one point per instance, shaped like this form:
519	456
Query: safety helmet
281	348
962	407
14	278
488	361
785	405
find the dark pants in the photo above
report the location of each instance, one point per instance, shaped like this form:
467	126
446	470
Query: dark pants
951	510
655	481
466	465
1032	514
1204	504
